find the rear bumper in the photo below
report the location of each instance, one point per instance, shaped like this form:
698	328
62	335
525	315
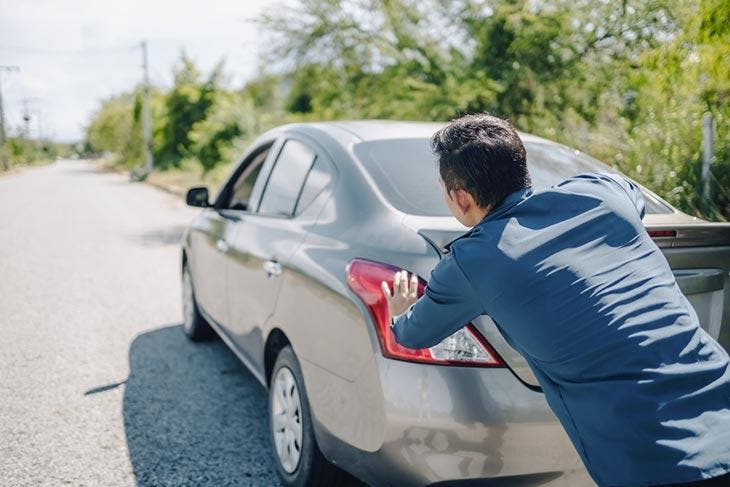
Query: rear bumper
444	423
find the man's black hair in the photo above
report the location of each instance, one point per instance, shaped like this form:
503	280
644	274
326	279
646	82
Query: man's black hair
482	155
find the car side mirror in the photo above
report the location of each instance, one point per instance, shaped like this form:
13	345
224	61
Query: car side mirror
197	197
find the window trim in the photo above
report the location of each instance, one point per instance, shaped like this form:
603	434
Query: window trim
286	138
224	198
274	142
247	170
304	184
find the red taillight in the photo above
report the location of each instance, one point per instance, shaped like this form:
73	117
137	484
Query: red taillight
465	347
662	233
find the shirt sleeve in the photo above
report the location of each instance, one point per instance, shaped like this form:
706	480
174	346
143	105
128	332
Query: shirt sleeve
448	304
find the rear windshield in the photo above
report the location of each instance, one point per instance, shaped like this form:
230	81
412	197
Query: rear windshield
406	172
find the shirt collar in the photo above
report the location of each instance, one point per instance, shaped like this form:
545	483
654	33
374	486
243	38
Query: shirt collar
509	202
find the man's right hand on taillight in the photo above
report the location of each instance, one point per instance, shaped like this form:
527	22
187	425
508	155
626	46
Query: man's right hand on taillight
405	292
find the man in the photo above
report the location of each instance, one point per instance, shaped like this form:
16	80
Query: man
576	285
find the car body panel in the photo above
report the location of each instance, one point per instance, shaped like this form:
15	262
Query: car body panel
712	260
392	422
209	266
251	290
443	423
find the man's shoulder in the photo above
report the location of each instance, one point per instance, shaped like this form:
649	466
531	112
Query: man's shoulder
476	248
616	191
477	240
601	177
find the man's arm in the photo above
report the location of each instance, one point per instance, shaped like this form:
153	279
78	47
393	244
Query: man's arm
448	304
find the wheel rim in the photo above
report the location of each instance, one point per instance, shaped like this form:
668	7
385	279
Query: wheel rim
286	419
188	301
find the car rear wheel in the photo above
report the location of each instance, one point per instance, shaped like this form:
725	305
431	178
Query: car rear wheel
194	325
298	459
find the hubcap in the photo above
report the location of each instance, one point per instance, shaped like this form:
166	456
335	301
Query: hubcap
286	419
188	300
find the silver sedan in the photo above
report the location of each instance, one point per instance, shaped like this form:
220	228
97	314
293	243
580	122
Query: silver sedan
285	265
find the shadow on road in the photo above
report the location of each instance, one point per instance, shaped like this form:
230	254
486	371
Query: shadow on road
193	415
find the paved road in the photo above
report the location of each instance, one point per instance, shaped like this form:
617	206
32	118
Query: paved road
98	385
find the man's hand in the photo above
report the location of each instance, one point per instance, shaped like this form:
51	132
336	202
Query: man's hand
405	292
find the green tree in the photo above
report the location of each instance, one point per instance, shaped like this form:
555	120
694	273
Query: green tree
186	104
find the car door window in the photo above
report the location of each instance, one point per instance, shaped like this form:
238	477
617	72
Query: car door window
286	179
319	177
242	188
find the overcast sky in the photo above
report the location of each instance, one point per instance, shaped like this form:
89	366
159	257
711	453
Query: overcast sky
73	53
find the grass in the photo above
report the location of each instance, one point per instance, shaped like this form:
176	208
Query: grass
7	168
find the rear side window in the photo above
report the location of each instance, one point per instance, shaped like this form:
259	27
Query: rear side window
550	164
319	177
406	172
286	179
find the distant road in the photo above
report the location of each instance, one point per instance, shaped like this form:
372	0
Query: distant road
98	385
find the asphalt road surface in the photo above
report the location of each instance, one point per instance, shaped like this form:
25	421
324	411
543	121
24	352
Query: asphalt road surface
98	385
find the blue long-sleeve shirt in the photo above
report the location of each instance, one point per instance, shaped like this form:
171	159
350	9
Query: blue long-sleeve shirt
577	286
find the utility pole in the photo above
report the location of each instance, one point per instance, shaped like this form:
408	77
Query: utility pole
40	122
707	150
26	133
147	123
28	111
2	113
39	119
26	118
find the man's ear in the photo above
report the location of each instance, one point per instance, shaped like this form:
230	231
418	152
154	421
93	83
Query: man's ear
464	201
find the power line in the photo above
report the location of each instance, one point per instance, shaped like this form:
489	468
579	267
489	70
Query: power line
68	52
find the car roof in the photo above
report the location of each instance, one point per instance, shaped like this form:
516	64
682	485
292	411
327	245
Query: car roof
387	129
378	130
367	130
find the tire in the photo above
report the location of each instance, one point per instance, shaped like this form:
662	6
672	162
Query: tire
194	325
310	467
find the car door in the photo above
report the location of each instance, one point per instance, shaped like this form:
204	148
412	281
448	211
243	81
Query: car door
265	241
214	229
208	261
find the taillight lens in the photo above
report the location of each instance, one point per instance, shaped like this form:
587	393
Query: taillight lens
662	233
465	347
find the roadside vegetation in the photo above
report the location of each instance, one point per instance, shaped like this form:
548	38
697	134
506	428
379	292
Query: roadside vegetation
18	152
627	82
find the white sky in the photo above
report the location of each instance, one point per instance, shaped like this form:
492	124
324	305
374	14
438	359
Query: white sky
73	53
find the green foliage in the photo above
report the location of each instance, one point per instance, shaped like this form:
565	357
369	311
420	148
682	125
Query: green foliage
117	128
186	104
230	118
17	151
627	82
111	126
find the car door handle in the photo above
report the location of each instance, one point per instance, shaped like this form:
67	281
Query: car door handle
272	268
222	246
